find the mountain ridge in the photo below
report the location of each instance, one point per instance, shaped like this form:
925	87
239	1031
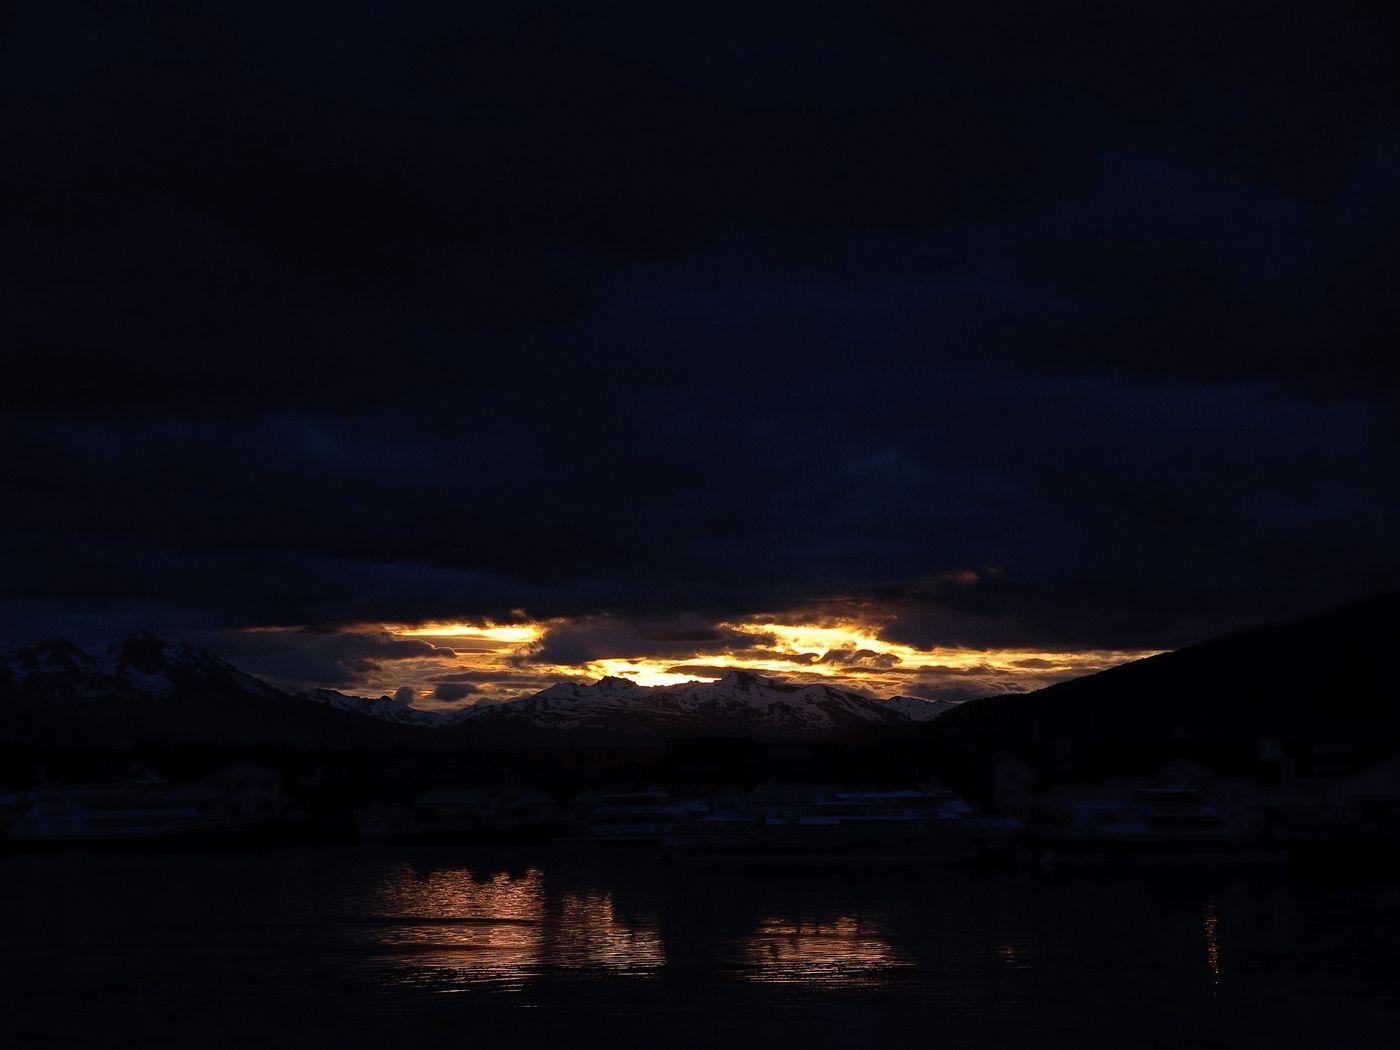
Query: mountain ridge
740	703
146	688
1327	674
145	692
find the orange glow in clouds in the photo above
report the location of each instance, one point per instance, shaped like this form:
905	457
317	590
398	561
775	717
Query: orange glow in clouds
513	633
853	656
505	660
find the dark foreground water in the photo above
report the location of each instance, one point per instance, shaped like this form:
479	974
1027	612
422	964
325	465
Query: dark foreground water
565	947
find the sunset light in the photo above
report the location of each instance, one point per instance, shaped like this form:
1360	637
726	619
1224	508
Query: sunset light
515	659
643	673
510	633
646	526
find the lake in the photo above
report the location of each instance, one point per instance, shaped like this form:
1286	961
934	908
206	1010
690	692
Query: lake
565	945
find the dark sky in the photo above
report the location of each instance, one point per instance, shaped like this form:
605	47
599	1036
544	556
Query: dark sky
1047	325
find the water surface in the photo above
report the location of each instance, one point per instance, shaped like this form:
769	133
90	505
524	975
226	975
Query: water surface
449	946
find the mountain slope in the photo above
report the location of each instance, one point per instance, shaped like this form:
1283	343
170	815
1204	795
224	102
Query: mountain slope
146	692
1329	677
385	709
740	704
918	709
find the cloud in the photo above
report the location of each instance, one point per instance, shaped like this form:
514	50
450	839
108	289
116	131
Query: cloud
702	670
1100	357
451	691
578	642
850	656
300	658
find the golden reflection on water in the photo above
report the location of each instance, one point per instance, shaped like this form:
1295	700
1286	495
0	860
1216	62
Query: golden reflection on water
452	928
1210	923
602	940
845	952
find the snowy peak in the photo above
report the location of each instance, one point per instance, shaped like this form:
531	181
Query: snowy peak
740	703
147	689
612	682
141	667
747	681
386	708
148	671
607	686
57	670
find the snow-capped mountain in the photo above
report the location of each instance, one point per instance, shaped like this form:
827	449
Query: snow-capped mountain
57	671
919	709
386	709
148	688
741	703
141	667
148	691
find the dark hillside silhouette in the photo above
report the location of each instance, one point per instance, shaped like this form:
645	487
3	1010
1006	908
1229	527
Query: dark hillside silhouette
1323	679
148	694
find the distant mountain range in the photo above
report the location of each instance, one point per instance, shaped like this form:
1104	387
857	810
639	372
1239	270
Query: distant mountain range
385	708
148	691
1326	678
740	704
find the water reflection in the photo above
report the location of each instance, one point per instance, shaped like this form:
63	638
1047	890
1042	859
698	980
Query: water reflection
357	946
592	932
1210	922
453	928
843	952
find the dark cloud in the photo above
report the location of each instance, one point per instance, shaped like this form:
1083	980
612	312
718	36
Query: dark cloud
404	695
704	670
591	638
850	656
486	684
352	317
479	675
451	691
304	658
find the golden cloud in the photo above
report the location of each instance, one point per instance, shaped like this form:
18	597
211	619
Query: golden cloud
507	659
